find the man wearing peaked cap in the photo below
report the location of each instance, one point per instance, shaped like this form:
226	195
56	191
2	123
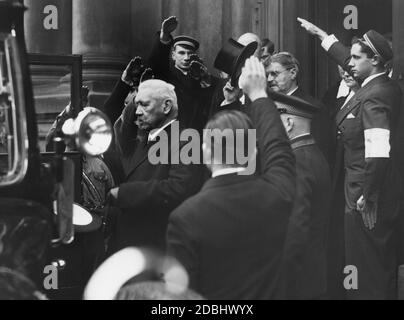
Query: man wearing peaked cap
367	139
304	264
174	60
186	41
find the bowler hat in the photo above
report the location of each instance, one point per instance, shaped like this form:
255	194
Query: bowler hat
232	57
293	105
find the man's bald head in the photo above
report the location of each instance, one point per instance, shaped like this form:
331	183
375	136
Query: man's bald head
248	38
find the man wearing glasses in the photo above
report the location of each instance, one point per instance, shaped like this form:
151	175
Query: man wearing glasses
283	75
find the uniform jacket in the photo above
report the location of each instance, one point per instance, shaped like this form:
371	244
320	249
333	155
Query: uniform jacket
230	236
304	267
320	128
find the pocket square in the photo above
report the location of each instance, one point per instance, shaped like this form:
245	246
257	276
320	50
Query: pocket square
351	116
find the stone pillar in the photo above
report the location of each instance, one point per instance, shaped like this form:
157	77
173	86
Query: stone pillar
48	26
146	21
102	34
210	26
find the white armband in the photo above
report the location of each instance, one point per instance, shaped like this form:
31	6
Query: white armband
377	143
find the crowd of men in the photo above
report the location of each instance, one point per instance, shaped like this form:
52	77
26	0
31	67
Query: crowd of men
327	187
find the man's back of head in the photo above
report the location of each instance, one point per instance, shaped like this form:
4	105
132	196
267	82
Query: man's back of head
229	136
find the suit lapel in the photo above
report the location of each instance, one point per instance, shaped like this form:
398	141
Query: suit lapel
138	159
145	152
343	113
357	98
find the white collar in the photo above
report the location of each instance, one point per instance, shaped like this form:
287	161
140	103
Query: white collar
300	136
292	91
154	134
368	79
343	90
227	171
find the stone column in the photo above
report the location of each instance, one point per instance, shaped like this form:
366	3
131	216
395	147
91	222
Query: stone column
102	34
146	21
210	25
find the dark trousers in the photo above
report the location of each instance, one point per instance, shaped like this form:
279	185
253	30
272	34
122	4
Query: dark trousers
373	253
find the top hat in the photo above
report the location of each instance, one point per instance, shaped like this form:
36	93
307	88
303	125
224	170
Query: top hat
187	42
293	105
232	57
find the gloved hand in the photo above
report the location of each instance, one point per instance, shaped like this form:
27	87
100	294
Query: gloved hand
147	75
168	26
133	72
199	72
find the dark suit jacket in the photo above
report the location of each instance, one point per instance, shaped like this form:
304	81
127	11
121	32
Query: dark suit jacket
148	192
377	105
304	266
193	101
230	236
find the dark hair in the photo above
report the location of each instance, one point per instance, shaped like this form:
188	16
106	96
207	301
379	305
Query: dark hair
229	122
269	44
364	47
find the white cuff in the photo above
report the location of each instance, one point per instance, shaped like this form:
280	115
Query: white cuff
377	143
328	42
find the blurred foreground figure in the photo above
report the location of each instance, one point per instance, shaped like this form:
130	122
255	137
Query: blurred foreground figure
139	274
15	286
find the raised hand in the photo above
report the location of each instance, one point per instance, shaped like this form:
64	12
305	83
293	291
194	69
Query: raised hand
312	29
253	80
133	72
147	75
169	25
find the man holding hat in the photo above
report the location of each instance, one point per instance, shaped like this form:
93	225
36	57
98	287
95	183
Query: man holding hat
230	60
174	60
304	265
367	128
